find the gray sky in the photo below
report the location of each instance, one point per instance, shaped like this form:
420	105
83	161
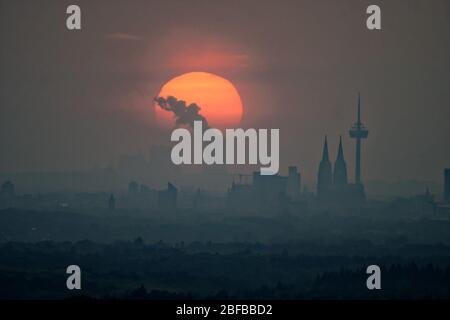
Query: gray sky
74	100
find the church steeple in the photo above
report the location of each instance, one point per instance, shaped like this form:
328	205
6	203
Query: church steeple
340	151
340	167
325	156
324	177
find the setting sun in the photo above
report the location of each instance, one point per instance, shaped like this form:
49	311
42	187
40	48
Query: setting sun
217	97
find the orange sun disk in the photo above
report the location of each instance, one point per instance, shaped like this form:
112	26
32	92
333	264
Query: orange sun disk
217	97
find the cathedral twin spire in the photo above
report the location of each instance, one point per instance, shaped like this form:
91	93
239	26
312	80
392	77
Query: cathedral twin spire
326	176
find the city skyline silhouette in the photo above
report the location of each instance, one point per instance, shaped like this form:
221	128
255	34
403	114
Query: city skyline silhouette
74	101
111	113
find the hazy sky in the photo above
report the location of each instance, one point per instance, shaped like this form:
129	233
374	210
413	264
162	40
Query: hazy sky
74	100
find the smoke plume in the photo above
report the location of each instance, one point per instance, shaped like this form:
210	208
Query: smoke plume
185	115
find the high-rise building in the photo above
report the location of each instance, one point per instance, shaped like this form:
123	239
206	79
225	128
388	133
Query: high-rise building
7	189
324	177
447	185
112	202
133	187
293	183
340	167
167	199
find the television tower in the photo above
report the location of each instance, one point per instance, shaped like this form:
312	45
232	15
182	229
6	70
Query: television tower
358	132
